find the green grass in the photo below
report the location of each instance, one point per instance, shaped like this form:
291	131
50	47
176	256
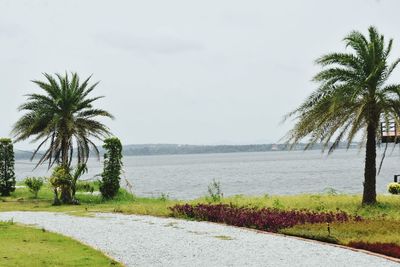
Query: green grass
22	199
29	247
124	202
370	231
223	237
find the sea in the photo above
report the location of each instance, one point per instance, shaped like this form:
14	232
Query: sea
253	173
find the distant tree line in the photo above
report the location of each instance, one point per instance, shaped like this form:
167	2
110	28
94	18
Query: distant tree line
175	149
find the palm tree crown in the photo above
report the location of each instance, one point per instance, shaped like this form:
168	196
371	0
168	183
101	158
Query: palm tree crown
63	117
353	97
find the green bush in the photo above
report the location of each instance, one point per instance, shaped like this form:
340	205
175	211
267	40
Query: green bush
109	185
61	181
163	197
394	188
7	175
84	187
34	184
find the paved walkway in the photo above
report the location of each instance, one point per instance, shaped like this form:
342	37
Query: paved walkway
151	241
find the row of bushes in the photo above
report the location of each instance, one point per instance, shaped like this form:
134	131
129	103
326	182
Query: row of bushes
389	249
64	179
265	219
34	185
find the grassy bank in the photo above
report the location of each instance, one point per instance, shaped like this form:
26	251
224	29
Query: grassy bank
25	246
369	231
381	222
22	199
124	202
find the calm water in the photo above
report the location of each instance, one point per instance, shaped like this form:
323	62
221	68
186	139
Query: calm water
187	176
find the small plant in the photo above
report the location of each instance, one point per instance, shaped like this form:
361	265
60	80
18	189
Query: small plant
328	228
394	188
84	187
330	191
164	197
214	191
34	184
277	204
319	204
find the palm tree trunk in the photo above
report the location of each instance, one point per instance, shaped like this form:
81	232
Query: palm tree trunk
64	152
66	196
56	201
369	194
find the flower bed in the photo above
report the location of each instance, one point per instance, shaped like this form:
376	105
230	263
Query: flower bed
266	219
389	249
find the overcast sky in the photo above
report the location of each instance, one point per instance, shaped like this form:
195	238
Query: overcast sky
193	72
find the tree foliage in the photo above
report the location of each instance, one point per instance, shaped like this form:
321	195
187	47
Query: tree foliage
63	117
110	183
7	174
352	97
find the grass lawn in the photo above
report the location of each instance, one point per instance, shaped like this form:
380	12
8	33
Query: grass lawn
25	246
381	222
23	200
370	231
388	207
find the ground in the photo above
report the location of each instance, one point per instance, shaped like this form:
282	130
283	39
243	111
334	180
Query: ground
138	240
381	222
26	246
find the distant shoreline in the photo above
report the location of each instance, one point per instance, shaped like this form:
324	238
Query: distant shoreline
177	149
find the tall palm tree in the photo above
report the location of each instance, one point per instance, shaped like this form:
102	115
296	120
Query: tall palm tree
62	117
353	97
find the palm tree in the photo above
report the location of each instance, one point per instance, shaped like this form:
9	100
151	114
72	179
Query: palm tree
62	117
353	97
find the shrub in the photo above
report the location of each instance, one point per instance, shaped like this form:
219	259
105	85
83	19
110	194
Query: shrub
214	191
330	191
163	197
266	219
109	185
7	175
34	184
389	249
61	181
84	187
277	204
394	188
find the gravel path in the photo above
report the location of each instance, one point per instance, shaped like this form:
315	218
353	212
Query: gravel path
151	241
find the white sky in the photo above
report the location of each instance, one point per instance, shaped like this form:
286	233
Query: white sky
195	72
